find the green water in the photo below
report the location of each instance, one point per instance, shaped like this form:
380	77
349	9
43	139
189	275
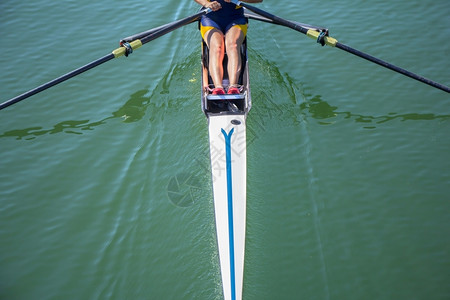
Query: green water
348	163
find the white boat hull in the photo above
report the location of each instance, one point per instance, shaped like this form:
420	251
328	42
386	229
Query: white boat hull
228	151
227	135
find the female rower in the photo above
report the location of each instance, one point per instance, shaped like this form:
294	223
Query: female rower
224	28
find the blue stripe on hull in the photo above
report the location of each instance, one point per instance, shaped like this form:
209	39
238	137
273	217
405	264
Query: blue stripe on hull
230	210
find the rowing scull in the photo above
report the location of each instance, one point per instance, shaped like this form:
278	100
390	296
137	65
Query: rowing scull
228	152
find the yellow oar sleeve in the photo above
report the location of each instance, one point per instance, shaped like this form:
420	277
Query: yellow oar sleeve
328	40
122	50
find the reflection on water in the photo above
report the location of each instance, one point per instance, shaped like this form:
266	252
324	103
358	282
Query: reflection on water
300	104
325	113
72	127
132	111
134	108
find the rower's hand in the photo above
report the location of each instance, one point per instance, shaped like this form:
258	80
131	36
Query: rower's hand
214	5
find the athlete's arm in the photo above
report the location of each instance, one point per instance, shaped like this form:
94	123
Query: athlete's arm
248	1
214	5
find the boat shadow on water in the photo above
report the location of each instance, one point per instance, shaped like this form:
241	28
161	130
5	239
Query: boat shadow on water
267	106
135	108
153	103
325	114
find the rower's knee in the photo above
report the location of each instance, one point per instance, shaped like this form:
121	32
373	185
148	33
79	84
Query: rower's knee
217	50
232	46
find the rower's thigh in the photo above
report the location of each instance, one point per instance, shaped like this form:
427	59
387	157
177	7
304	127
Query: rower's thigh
214	38
234	37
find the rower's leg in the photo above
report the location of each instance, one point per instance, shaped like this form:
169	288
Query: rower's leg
215	41
233	41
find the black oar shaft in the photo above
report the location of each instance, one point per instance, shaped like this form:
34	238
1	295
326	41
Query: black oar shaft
173	26
392	67
144	34
58	80
275	19
334	43
255	16
154	33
